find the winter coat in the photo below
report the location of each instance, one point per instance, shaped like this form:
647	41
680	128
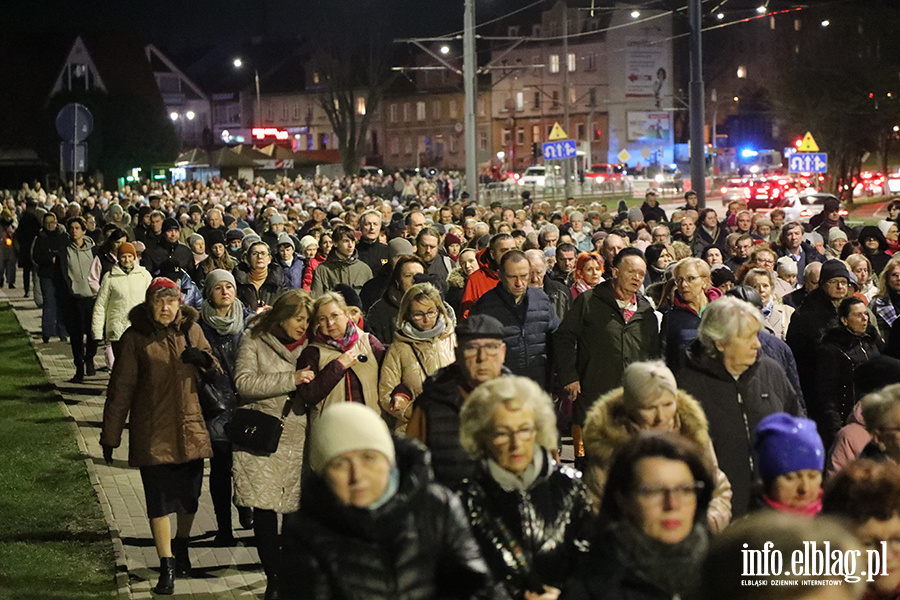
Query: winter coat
456	288
119	293
48	245
880	257
381	320
608	427
311	266
264	377
417	546
270	289
293	275
165	251
26	233
335	270
840	353
151	382
225	348
435	422
479	282
653	213
375	287
678	329
594	344
560	296
849	442
527	330
406	365
548	521
190	293
808	255
733	409
808	326
73	271
776	349
779	319
374	254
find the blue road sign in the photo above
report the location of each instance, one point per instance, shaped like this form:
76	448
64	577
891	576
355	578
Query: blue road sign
809	162
559	149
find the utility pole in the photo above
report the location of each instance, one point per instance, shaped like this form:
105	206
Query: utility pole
698	110
470	85
567	164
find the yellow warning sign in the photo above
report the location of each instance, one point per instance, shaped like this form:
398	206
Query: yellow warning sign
557	133
623	156
808	144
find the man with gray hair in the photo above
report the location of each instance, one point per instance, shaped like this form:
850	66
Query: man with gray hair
548	236
560	296
810	282
371	250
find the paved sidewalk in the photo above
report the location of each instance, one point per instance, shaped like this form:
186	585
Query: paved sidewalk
219	573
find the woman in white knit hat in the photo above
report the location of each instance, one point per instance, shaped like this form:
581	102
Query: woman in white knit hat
371	523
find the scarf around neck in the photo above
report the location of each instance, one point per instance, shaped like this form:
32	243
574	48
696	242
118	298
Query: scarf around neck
810	510
409	330
351	336
230	324
510	482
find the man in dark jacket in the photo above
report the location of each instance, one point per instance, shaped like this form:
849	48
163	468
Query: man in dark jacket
26	232
527	318
169	249
374	289
560	296
428	248
607	329
371	250
792	245
816	315
480	353
48	245
342	265
651	209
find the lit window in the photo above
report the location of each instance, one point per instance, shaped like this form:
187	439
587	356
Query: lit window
453	109
360	105
571	62
520	100
742	72
554	63
572	96
420	111
535	133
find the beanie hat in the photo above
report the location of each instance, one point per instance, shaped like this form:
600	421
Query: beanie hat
284	238
351	298
784	444
345	427
193	239
635	214
234	234
276	219
836	233
885	225
115	209
169	224
126	248
833	268
399	247
450	239
215	237
215	277
786	265
306	241
160	283
599	237
720	275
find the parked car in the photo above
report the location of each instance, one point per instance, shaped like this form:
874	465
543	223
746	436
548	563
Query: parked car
605	176
802	206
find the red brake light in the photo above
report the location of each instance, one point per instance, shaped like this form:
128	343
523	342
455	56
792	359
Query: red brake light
805	213
724	190
843	213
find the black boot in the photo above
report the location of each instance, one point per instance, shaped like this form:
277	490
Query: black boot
166	584
245	517
272	592
182	558
89	369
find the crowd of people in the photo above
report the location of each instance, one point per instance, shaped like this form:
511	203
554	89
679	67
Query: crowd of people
380	372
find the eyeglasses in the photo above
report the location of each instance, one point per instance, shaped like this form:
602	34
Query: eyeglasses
504	436
420	316
259	254
689	279
656	494
332	318
490	350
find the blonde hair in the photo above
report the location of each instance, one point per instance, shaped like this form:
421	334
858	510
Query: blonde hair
477	413
323	300
421	292
700	265
885	276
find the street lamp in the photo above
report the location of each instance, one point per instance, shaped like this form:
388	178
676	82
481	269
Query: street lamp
173	115
761	9
826	23
238	63
445	49
190	115
635	14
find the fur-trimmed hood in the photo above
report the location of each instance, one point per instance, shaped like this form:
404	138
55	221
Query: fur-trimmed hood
141	317
457	279
608	426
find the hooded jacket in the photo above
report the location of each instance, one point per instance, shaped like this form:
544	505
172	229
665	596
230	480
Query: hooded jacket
880	257
48	245
548	521
608	427
119	293
417	546
151	382
484	279
336	269
293	275
733	409
456	288
73	270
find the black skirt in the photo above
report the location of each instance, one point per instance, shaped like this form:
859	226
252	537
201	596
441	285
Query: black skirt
172	488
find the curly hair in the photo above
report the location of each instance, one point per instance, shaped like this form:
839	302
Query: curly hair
863	490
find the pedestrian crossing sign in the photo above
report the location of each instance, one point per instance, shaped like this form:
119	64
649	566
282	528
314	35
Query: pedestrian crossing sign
808	144
557	133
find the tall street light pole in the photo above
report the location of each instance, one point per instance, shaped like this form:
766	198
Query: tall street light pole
470	82
697	108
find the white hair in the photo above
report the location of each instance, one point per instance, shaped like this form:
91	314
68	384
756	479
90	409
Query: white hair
723	319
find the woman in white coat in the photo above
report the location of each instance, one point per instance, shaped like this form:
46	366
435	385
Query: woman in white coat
265	376
121	289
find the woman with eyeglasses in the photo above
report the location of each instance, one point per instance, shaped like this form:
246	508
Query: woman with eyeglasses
423	343
527	511
653	535
344	359
259	282
693	291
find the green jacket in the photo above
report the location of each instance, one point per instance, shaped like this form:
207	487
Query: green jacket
593	344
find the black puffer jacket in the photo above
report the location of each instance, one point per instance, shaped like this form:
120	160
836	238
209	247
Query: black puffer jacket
527	328
381	320
48	245
547	522
840	354
438	409
734	409
253	298
225	349
417	546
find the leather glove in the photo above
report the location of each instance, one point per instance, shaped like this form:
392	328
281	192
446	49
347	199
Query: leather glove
107	454
196	357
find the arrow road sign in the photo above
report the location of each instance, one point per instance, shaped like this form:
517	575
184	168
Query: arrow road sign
559	150
809	162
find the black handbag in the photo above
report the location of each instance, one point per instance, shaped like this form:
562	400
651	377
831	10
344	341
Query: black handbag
256	431
216	396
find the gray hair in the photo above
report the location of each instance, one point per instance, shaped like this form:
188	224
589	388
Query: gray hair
477	413
536	254
786	266
723	319
877	405
752	274
645	381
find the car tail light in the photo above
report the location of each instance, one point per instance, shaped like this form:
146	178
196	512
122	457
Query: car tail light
805	213
776	192
724	190
843	212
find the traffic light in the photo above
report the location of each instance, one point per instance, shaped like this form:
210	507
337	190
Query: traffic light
598	133
535	150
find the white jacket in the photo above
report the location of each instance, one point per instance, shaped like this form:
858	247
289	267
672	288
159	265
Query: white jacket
119	293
